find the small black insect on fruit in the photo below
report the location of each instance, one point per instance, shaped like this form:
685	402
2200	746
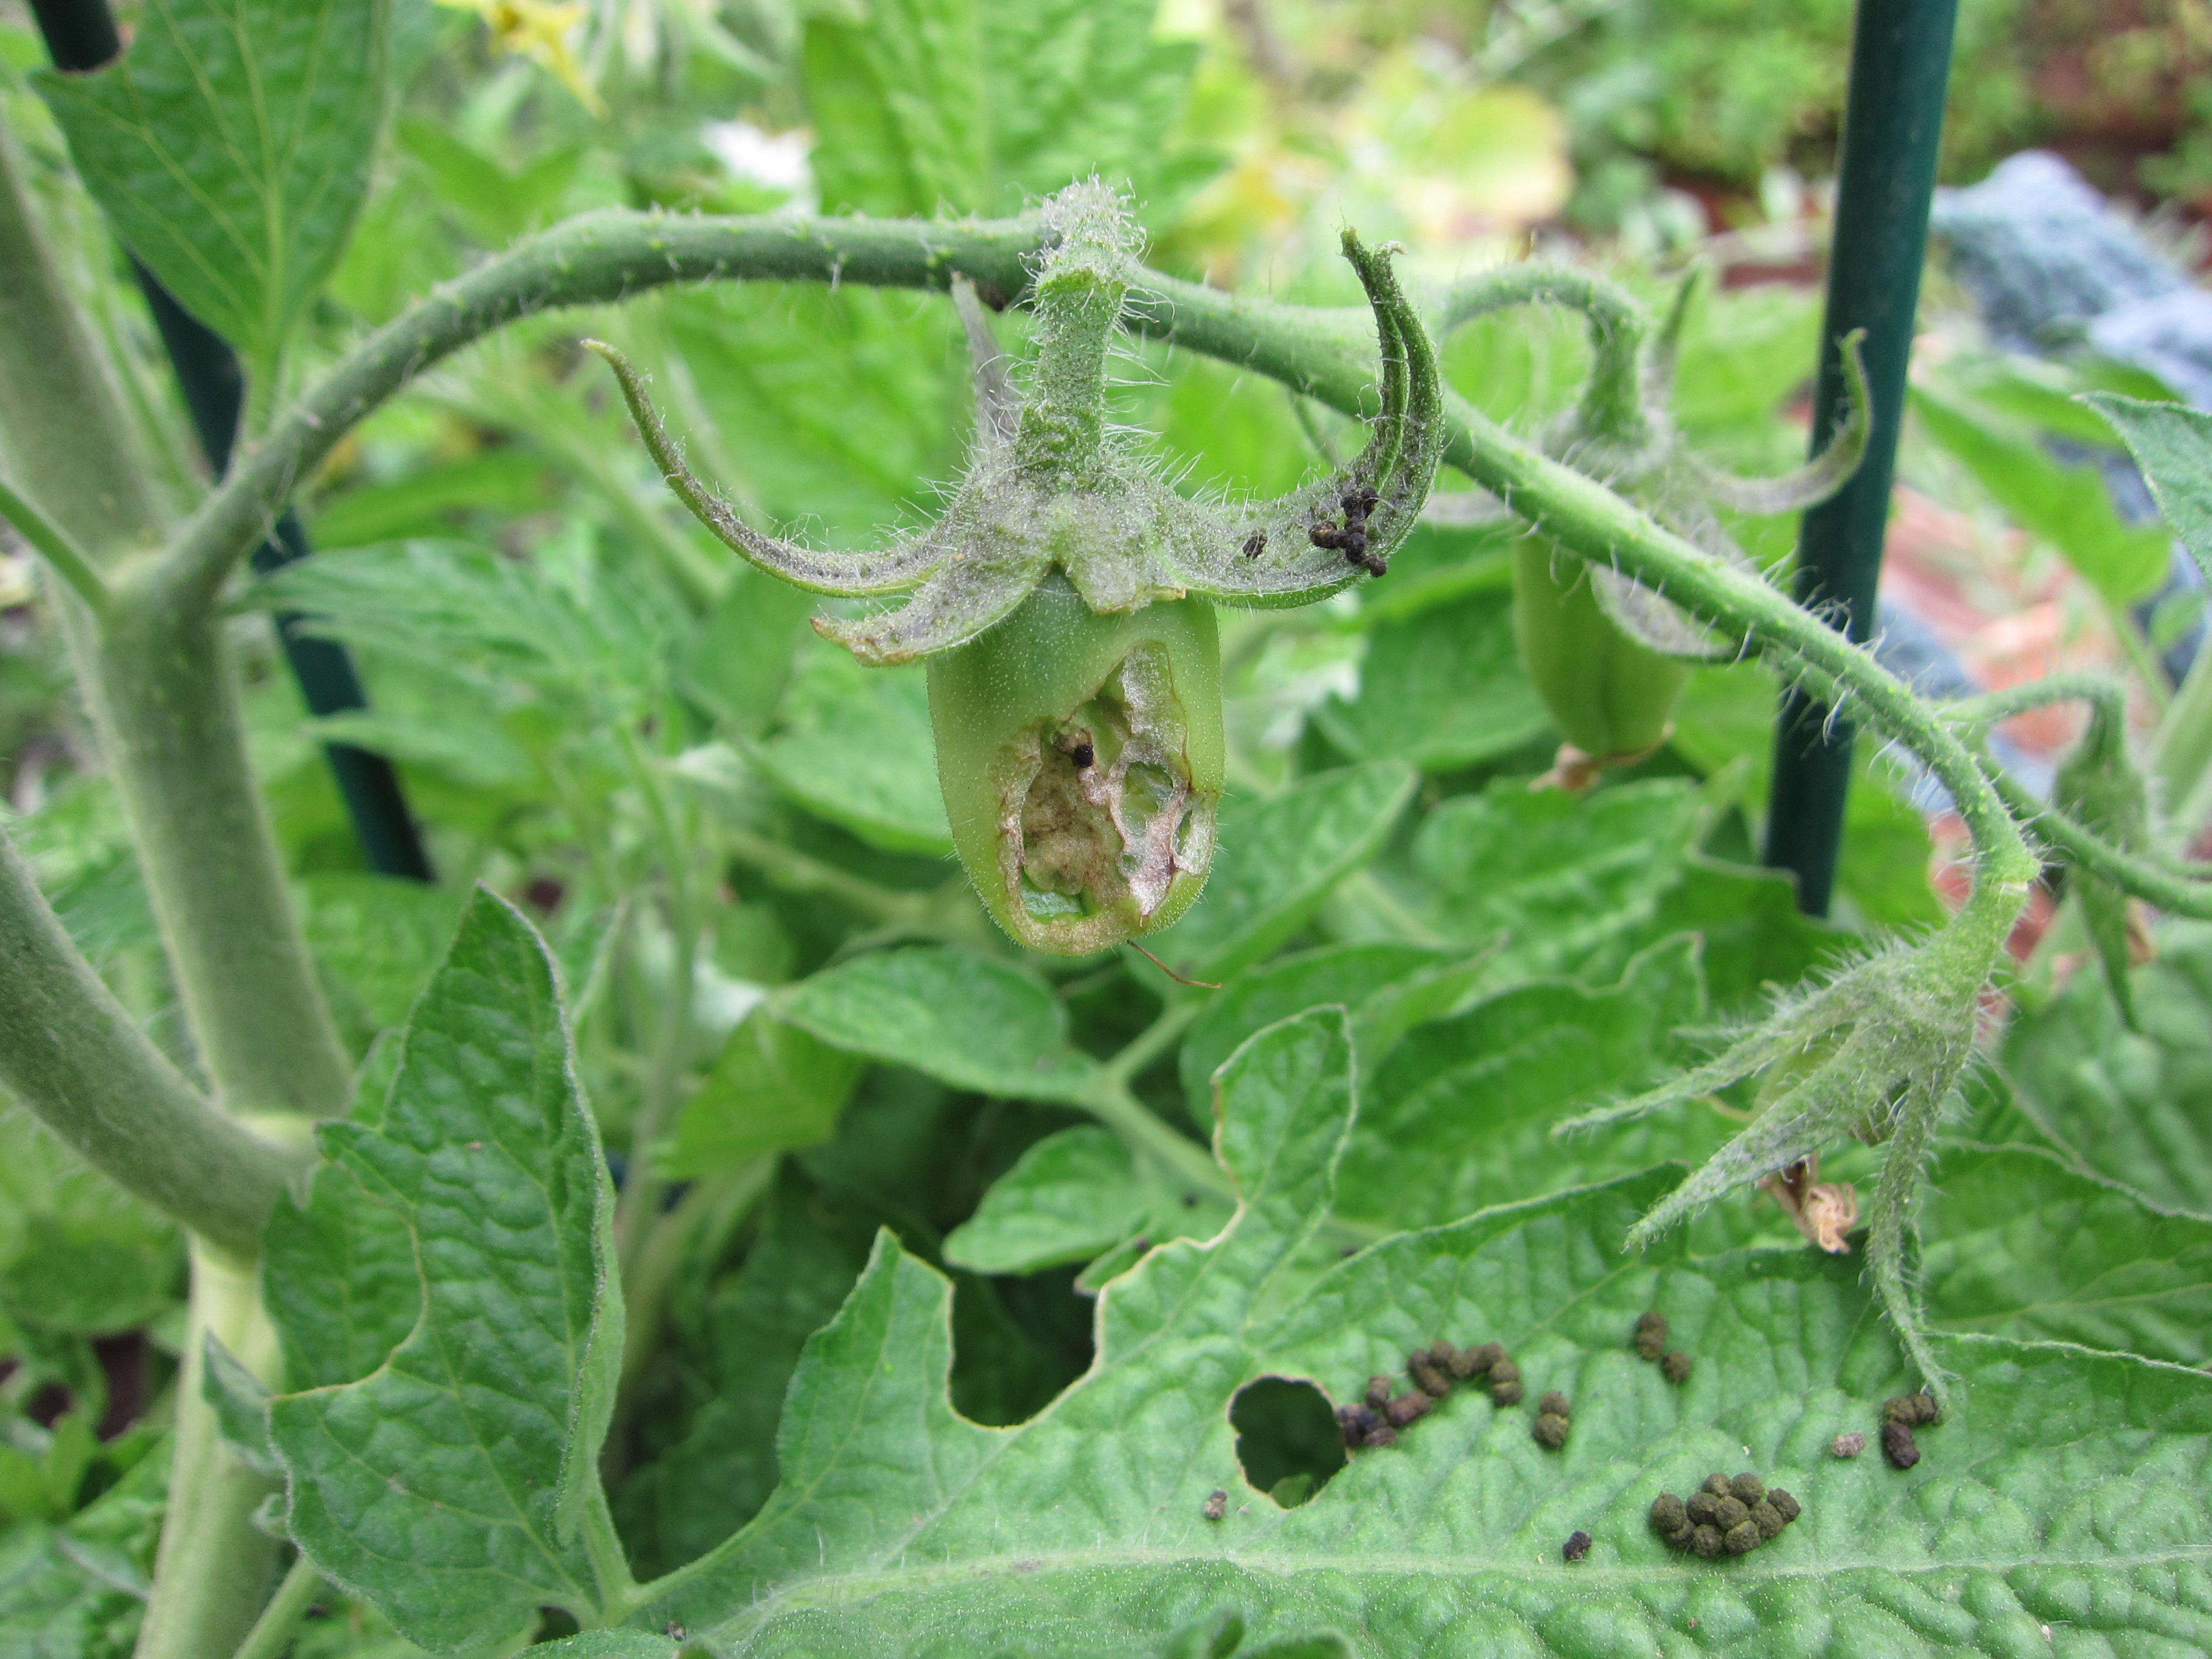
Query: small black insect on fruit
1083	755
1217	1506
1674	1366
1575	1547
1650	1339
1350	539
1256	543
1898	1446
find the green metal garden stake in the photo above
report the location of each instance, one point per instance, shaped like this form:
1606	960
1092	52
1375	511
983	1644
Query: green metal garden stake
1892	123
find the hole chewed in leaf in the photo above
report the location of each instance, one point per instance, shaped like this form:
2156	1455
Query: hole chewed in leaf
1287	1438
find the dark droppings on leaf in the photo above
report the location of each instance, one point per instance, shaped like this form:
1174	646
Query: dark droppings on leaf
1554	1404
1748	1487
1407	1409
1428	1377
1379	1390
1550	1430
1505	1394
1650	1338
1383	1435
1717	1521
1912	1409
1575	1547
1847	1445
1676	1367
1898	1446
1217	1506
1474	1362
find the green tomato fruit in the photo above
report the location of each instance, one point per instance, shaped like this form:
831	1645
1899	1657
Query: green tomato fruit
1610	696
1080	755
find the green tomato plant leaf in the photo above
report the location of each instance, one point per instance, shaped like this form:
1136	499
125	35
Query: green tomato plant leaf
855	748
980	106
962	1019
1443	688
2068	1493
230	145
1276	860
1074	1196
1459	1116
241	1407
450	1485
2173	445
773	1086
2134	1107
2019	1244
708	1448
2066	506
78	1590
1561	879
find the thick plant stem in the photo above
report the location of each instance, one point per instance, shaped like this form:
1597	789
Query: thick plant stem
64	440
272	1631
164	695
211	1574
73	1054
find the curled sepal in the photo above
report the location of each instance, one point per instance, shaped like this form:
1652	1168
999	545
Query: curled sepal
1819	477
1080	757
1874	1053
900	566
1312	543
2099	786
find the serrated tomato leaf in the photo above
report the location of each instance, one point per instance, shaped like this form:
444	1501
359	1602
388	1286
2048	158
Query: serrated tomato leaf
449	1485
2135	1107
962	1019
230	144
2019	1245
2069	1490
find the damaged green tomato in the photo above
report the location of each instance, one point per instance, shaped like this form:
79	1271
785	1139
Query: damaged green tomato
1081	758
1064	602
